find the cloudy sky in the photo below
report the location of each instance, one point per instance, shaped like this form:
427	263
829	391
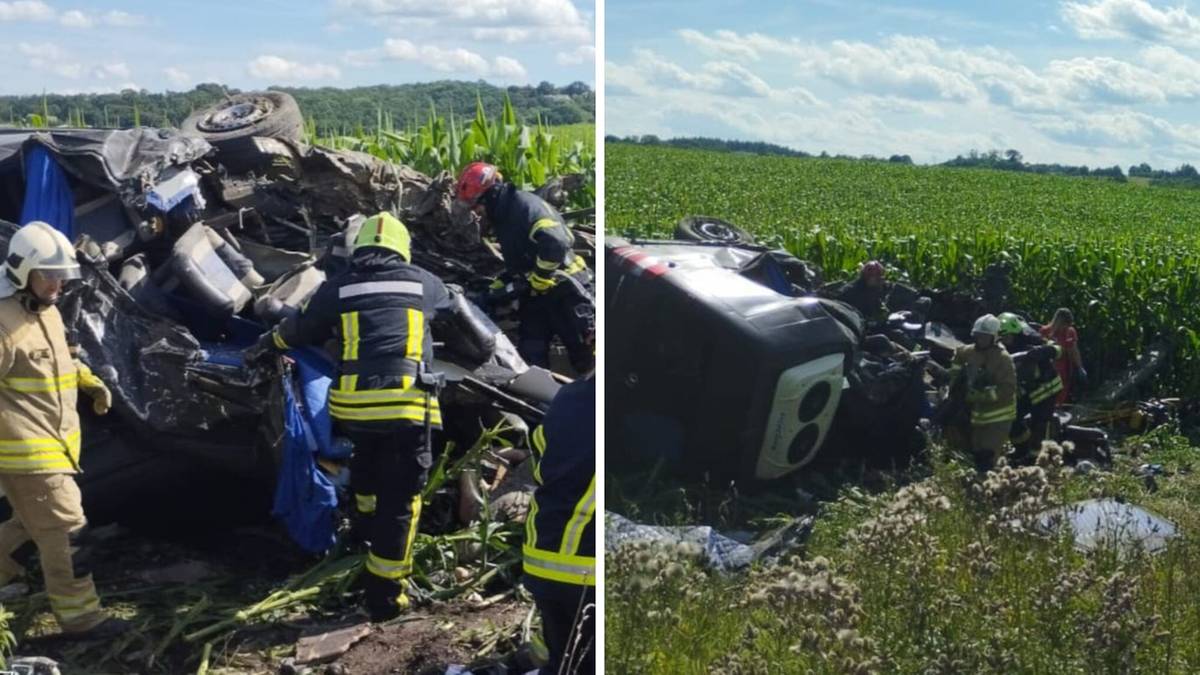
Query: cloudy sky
106	45
1096	82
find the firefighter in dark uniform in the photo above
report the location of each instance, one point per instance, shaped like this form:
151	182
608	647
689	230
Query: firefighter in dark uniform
560	533
556	297
379	310
1037	380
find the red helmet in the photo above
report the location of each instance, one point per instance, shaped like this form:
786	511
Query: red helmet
475	180
872	270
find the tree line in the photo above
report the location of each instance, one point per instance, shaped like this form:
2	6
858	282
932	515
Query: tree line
334	110
1008	160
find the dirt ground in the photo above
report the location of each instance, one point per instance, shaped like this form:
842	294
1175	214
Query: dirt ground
170	586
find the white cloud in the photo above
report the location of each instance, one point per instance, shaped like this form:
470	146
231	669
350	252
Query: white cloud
177	76
578	56
121	19
75	19
25	10
1132	20
47	57
439	59
554	20
508	35
113	70
270	67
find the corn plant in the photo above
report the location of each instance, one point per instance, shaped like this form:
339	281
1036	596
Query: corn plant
1124	257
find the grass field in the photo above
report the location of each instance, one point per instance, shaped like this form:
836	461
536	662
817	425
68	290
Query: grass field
1124	257
928	569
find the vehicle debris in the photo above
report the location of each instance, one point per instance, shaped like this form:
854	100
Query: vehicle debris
1097	524
719	552
319	648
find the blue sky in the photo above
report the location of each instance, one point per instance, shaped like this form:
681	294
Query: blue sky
1096	82
106	45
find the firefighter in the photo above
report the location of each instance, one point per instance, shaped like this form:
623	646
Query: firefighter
991	390
554	284
379	310
40	432
868	292
560	534
1037	380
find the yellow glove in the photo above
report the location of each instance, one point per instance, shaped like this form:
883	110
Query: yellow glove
94	387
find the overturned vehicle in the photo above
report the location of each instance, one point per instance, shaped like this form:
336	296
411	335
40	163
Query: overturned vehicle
732	360
195	242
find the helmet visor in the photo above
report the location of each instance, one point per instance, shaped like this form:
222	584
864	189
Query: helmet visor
59	273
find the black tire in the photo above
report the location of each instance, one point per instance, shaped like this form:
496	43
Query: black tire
705	228
271	114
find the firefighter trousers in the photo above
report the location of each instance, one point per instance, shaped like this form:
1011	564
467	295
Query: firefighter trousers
563	312
568	624
387	473
987	443
48	512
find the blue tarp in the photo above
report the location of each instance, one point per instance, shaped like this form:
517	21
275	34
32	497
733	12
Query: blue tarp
48	195
316	375
305	499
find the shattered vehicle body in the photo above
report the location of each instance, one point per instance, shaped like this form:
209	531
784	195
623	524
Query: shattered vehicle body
718	361
191	251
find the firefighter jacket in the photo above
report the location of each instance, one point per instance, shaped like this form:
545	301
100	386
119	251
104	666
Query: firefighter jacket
991	383
1036	375
560	531
379	312
534	240
39	387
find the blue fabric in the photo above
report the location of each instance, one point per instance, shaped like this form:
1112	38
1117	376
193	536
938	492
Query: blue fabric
48	195
316	375
305	499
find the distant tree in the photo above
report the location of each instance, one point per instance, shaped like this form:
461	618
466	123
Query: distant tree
900	159
650	139
1013	157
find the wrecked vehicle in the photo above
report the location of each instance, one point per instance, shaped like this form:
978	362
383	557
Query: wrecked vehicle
194	243
714	362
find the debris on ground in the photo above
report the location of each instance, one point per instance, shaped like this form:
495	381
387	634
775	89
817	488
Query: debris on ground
326	646
1109	524
720	552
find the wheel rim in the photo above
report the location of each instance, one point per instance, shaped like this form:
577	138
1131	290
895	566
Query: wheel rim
237	115
716	231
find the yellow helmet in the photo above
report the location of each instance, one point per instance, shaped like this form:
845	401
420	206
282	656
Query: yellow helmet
385	231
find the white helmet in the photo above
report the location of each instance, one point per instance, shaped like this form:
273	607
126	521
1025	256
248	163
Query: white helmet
37	246
987	325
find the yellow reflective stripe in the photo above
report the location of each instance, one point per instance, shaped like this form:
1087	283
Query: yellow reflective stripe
416	334
388	568
585	510
548	265
408	395
381	414
350	336
541	224
278	339
71	607
540	283
531	520
569	569
1005	414
41	384
539	447
412	529
577	265
347	383
365	503
9	447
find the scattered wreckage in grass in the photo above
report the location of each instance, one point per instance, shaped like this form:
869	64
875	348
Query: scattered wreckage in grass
734	360
193	243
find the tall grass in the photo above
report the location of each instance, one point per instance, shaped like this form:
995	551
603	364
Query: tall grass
943	575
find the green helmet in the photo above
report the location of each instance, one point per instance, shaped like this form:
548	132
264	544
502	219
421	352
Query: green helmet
1011	324
385	231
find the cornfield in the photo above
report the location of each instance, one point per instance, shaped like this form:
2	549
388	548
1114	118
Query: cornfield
526	155
1124	257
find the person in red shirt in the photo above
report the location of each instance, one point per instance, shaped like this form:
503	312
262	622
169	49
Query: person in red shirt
1070	365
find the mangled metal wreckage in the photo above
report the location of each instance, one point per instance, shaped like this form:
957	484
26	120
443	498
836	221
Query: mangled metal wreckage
189	252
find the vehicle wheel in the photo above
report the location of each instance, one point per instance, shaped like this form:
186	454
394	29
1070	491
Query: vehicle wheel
271	114
705	228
